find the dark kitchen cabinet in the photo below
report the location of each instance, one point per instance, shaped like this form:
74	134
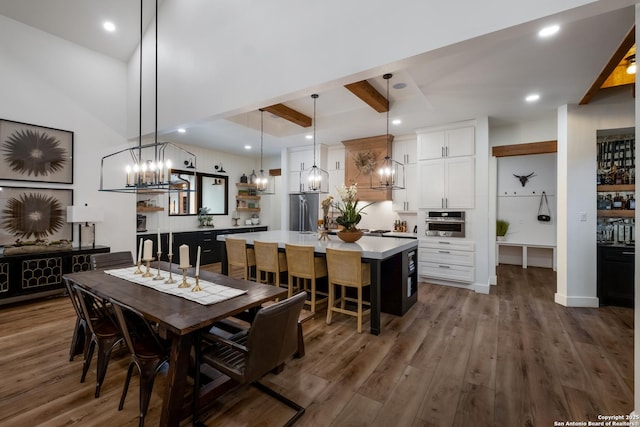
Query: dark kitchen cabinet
207	239
615	275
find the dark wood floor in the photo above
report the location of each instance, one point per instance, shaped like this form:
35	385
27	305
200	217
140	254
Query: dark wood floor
457	358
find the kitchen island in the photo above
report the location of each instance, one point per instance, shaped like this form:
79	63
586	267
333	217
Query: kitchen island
393	262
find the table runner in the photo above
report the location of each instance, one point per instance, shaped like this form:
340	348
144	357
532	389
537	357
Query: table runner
211	293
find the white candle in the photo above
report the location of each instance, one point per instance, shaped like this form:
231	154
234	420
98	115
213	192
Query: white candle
170	253
159	243
148	250
198	263
140	251
184	256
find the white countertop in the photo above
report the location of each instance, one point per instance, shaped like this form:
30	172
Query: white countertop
370	246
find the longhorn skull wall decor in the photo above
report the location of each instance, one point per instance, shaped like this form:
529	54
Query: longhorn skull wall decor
524	178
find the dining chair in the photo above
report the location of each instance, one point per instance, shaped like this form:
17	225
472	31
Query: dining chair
104	332
111	260
248	355
81	333
149	352
238	255
304	271
347	270
270	263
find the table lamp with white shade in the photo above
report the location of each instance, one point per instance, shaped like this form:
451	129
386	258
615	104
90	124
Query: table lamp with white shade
84	216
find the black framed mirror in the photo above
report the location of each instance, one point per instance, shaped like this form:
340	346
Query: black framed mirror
183	199
194	192
214	193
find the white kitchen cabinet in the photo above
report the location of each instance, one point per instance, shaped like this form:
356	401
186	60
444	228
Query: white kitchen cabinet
405	150
406	200
447	259
335	167
447	183
301	159
456	142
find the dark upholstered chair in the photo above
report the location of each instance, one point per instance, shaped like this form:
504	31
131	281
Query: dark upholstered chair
104	332
111	260
148	352
248	355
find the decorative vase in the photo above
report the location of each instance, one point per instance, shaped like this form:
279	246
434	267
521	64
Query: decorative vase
500	238
350	236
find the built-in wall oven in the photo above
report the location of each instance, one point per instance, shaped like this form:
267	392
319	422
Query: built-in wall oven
444	223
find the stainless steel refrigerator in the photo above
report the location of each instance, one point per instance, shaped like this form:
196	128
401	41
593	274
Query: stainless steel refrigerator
303	212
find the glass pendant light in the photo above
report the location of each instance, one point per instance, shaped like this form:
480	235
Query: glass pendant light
264	183
390	175
146	167
314	179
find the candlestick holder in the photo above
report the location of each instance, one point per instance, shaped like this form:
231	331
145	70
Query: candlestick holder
138	270
158	276
170	280
197	287
148	264
184	283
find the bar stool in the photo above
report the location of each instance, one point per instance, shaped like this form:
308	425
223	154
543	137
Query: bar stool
346	269
305	268
238	255
269	262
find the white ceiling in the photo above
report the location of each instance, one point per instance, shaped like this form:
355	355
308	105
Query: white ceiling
487	76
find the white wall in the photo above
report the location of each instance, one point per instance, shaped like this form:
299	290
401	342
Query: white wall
519	205
50	82
235	166
577	129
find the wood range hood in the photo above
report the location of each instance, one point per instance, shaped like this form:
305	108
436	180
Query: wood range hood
362	156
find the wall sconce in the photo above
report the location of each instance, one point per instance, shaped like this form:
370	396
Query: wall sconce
219	168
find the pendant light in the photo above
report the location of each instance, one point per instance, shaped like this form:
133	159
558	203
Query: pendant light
146	167
390	175
264	183
314	179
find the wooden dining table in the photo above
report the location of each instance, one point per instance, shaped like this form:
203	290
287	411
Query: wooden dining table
180	318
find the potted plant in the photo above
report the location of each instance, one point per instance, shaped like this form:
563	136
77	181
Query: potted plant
350	214
204	218
502	227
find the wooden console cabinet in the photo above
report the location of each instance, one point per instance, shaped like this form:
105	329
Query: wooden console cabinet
40	274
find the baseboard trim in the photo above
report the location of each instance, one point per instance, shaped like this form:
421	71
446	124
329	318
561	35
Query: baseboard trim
567	301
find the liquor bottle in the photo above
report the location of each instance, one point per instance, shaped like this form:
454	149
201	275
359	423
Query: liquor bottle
607	202
631	202
618	201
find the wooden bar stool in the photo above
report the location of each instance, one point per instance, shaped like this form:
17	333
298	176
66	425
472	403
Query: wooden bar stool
238	255
305	268
346	269
269	262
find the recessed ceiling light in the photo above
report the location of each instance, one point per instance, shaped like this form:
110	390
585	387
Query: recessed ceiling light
109	26
182	130
396	122
399	85
548	31
247	147
309	136
532	97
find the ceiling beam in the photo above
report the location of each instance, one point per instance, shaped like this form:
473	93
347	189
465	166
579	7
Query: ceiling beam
369	95
290	114
618	56
525	149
